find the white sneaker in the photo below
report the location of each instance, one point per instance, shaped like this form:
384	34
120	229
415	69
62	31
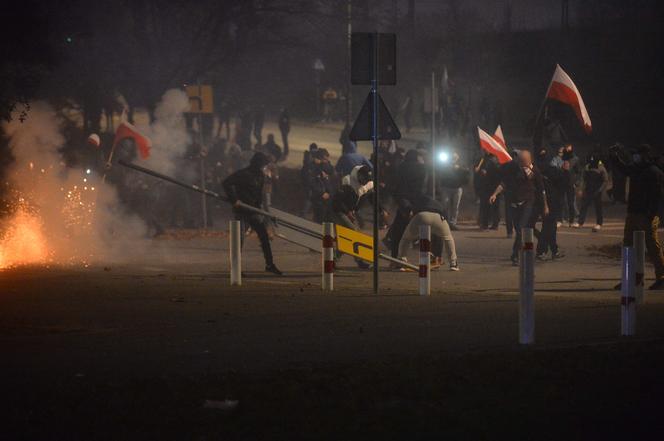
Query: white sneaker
574	225
454	266
559	224
596	228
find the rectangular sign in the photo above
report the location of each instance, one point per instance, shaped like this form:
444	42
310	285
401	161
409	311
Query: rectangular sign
298	231
200	98
355	243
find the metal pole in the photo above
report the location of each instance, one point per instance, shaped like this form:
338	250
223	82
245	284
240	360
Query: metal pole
425	267
627	300
349	98
376	170
527	289
200	140
235	230
639	265
328	256
433	134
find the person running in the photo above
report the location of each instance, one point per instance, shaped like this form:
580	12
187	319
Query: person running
525	186
595	181
246	186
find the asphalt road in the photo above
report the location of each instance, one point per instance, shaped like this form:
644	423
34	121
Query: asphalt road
170	311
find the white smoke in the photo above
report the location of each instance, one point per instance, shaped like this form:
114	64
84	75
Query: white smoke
78	216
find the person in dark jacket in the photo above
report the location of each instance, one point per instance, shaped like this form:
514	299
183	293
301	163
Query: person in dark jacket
487	176
643	201
272	148
246	186
284	128
411	183
524	184
555	181
305	177
350	159
321	185
453	177
595	181
259	122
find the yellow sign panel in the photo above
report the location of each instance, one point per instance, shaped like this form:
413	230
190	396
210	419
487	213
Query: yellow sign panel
355	243
200	98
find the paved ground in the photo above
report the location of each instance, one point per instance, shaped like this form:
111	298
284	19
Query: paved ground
168	328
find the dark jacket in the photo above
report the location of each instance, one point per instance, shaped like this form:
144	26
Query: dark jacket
426	203
555	182
454	176
321	181
521	188
595	180
645	187
246	185
411	180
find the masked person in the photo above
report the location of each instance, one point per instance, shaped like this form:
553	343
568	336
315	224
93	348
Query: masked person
487	176
643	200
595	181
453	177
246	186
524	184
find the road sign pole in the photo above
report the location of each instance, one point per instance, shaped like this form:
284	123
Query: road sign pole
376	165
433	134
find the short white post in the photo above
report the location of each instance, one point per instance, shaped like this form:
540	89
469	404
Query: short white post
527	289
328	256
425	253
627	300
639	265
235	230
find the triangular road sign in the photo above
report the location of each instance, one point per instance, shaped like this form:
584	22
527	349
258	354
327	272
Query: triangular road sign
387	129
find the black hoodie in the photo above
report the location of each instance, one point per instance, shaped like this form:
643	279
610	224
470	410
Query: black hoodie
246	185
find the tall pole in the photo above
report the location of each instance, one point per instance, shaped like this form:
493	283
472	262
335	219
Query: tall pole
202	156
349	32
433	134
376	165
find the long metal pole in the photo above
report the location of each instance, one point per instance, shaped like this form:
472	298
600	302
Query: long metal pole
433	134
376	165
200	145
349	98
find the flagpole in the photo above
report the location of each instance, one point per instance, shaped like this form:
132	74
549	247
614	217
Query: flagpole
537	140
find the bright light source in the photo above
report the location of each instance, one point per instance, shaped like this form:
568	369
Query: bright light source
88	171
443	157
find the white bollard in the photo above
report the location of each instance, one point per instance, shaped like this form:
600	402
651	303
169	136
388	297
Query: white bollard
627	300
425	267
328	256
639	265
527	289
235	230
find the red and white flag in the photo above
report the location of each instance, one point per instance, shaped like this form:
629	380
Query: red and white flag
498	136
563	89
128	131
489	144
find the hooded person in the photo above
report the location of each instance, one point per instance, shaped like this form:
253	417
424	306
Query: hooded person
246	186
321	185
350	159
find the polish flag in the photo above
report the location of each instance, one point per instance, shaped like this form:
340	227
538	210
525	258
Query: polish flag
498	136
563	89
489	144
128	131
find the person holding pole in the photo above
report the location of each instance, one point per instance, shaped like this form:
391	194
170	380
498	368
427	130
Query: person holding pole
246	186
525	186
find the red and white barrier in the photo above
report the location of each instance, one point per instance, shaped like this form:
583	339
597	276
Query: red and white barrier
639	265
627	300
235	239
425	253
527	289
328	256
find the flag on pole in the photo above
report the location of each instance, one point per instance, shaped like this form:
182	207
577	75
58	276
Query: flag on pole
489	144
128	131
563	89
498	136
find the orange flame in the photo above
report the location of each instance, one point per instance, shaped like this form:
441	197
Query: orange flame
23	241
